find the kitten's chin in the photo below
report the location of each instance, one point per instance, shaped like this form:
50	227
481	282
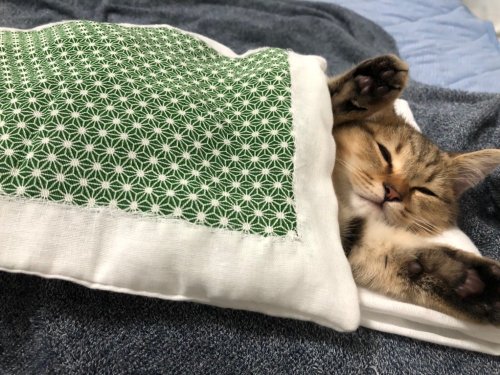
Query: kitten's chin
368	208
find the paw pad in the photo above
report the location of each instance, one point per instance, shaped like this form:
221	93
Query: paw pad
378	77
414	268
495	270
471	286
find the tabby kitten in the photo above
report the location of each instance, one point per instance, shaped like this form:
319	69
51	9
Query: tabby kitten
396	189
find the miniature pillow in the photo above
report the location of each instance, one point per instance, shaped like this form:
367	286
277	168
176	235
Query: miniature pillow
152	161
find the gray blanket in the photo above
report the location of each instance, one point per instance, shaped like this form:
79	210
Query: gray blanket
49	326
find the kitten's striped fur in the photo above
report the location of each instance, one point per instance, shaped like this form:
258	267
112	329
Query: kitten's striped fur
396	189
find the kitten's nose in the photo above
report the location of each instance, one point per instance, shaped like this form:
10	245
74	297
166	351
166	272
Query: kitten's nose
391	194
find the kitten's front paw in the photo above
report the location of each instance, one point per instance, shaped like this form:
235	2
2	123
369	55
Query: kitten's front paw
468	285
380	78
479	291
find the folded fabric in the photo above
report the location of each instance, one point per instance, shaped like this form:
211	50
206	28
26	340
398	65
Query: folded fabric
151	161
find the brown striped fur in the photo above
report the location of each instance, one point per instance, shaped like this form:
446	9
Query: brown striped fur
396	189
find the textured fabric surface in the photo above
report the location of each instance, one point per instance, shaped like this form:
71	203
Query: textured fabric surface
147	120
53	326
88	143
433	35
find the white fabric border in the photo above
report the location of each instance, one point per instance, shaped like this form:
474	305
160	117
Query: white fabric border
304	278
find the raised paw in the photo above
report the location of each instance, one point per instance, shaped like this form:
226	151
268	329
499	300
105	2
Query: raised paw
458	283
368	88
378	78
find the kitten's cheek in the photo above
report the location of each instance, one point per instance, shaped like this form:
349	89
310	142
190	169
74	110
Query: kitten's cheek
364	207
359	205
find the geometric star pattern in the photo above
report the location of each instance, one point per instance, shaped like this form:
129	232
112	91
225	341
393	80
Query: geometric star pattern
147	120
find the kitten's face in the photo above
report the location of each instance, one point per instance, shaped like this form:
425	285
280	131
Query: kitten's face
393	173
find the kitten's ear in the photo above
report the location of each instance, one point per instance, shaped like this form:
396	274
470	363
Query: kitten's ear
472	167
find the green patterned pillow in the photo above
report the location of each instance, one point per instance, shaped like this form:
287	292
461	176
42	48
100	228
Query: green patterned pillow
153	161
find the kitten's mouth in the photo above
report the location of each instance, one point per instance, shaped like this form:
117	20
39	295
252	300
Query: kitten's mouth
379	204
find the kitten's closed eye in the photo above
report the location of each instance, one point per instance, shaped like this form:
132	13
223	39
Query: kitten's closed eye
425	191
385	153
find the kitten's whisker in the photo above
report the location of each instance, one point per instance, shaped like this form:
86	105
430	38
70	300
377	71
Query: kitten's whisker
424	224
347	165
355	171
419	223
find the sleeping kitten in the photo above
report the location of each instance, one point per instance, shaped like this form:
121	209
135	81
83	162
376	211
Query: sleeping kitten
396	189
